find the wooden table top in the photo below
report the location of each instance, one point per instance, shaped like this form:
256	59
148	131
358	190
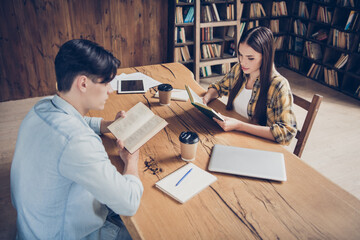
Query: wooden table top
306	206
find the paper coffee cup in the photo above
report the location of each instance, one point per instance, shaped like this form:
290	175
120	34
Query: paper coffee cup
188	145
165	93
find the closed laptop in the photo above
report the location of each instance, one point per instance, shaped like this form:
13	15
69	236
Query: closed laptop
248	162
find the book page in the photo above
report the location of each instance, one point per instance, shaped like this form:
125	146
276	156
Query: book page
137	116
143	134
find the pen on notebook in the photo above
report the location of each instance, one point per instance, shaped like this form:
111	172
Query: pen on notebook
183	177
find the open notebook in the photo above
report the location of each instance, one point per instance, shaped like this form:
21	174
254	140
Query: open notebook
194	182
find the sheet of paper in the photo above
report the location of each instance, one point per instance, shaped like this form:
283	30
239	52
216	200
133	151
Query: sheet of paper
148	81
177	94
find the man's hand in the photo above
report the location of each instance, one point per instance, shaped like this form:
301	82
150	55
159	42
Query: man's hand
130	160
104	124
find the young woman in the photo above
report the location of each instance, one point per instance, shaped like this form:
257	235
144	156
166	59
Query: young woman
257	91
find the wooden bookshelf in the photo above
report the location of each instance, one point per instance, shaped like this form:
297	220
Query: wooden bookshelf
302	29
330	18
212	52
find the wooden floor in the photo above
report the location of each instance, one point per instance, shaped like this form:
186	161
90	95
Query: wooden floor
333	147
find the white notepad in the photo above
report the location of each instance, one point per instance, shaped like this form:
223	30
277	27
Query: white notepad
176	94
194	182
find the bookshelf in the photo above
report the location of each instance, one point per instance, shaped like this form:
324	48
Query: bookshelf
312	37
214	34
326	49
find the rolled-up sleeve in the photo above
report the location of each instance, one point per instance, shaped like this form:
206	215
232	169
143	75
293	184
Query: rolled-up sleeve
281	117
85	161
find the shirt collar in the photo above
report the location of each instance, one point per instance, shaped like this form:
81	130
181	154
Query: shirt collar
66	107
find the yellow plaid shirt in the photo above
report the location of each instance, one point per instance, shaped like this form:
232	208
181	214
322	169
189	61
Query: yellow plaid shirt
280	116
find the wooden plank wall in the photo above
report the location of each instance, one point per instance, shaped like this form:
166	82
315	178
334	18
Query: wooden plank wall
31	33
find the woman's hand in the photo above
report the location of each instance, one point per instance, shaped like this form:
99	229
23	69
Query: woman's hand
210	95
229	124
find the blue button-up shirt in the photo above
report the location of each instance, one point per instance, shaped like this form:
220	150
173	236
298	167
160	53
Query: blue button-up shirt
62	178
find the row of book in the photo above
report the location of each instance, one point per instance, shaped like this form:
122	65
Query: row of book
180	35
209	13
331	77
314	71
324	15
182	54
207	34
320	35
293	61
279	9
341	61
230	12
279	42
257	10
303	10
313	50
184	15
274	26
296	44
207	71
210	50
340	39
299	28
352	21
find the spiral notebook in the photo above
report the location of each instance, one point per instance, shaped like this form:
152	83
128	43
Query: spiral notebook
184	188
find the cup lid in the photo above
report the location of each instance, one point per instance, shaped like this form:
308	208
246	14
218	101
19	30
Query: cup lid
165	87
189	137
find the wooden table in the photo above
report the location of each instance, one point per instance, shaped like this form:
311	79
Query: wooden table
306	206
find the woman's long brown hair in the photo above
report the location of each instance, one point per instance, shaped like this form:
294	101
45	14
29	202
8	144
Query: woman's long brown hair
261	40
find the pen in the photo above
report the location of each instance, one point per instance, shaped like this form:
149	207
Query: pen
183	177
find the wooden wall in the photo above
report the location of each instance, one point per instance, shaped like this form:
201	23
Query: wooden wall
31	32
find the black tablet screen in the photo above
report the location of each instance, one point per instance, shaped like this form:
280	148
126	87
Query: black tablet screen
132	85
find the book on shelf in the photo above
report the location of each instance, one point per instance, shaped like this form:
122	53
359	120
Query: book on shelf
274	25
324	14
197	102
313	50
180	35
279	9
257	10
231	50
205	71
357	92
189	15
209	13
211	50
225	68
215	12
138	127
303	10
279	42
242	27
352	20
179	15
320	35
341	39
331	77
252	24
341	61
347	3
185	53
207	34
186	182
230	31
230	12
294	61
299	28
314	71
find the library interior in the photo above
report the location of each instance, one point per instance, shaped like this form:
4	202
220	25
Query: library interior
191	44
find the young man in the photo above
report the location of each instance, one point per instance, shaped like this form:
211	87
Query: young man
63	184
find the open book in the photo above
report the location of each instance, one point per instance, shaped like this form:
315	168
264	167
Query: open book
185	182
139	125
198	103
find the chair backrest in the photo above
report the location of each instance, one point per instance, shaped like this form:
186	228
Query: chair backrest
312	110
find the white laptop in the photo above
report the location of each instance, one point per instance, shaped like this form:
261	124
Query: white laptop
248	162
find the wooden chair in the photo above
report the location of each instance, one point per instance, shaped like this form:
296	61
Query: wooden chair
312	110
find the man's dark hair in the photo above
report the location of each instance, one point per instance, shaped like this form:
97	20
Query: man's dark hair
83	57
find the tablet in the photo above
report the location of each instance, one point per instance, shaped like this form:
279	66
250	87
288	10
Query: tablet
131	86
